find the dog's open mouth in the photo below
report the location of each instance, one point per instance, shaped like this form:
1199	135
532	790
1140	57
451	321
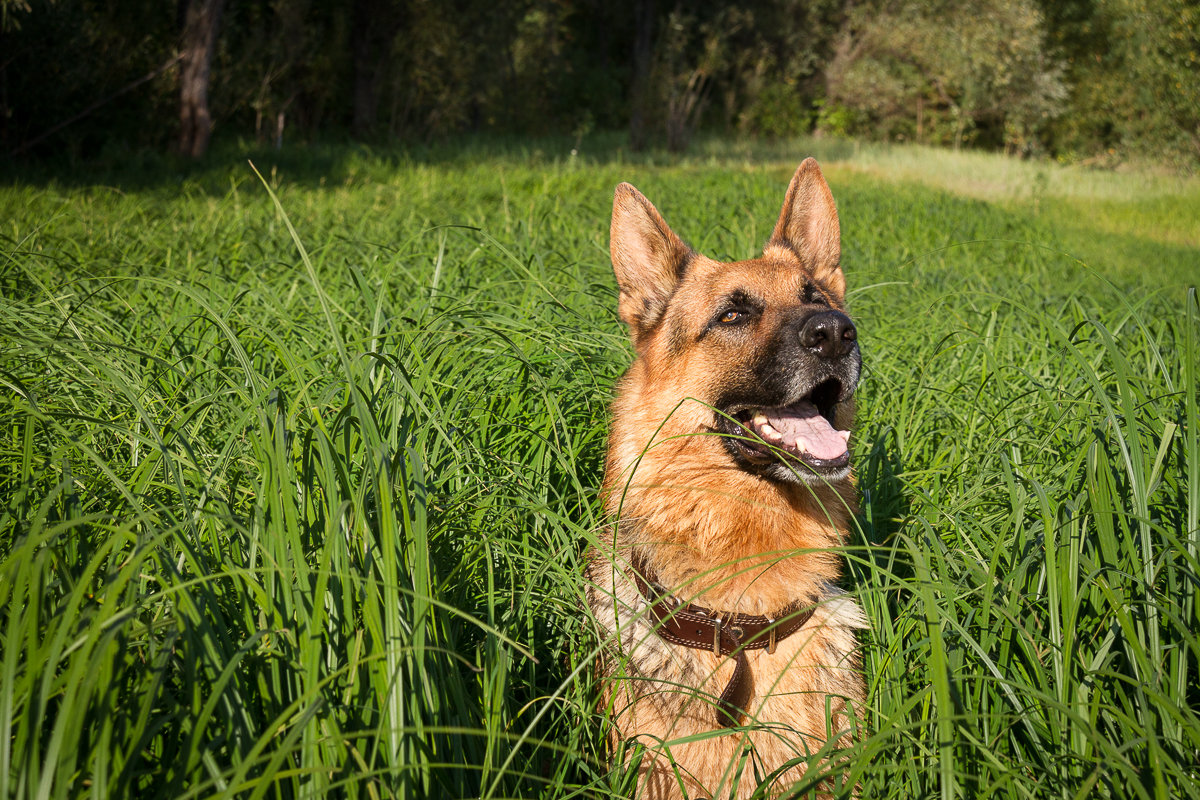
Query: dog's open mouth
801	432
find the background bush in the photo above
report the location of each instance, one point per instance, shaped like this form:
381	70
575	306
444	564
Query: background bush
1087	80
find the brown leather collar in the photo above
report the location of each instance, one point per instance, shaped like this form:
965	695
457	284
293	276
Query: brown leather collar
724	634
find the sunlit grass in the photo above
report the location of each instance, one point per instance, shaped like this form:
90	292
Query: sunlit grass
304	516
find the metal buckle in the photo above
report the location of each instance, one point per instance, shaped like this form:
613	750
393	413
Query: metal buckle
717	636
771	637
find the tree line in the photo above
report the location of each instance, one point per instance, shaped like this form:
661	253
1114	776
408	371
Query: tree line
1076	79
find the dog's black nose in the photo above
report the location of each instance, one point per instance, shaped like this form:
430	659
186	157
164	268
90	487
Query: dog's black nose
830	333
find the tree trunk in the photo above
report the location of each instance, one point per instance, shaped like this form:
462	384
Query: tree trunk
201	19
643	14
364	37
373	27
683	108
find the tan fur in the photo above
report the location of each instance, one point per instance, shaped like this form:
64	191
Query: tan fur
714	533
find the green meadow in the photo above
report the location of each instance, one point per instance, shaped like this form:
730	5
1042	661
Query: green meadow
296	474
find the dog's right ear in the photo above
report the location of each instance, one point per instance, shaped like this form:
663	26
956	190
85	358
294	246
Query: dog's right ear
647	258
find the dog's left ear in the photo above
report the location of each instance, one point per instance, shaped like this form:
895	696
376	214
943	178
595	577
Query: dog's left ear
808	226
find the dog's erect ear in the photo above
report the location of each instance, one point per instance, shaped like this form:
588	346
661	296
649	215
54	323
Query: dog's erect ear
647	258
808	225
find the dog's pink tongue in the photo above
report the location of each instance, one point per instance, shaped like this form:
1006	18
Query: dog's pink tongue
803	427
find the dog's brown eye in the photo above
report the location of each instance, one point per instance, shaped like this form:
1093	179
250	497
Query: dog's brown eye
813	295
731	316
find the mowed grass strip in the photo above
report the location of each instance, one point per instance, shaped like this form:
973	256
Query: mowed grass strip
304	516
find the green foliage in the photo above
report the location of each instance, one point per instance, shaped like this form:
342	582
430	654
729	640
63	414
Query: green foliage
1147	81
838	120
62	57
778	61
296	484
934	72
1083	80
778	111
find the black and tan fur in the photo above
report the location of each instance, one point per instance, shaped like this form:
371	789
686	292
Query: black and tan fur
713	513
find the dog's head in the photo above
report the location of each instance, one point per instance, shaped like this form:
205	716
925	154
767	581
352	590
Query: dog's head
764	347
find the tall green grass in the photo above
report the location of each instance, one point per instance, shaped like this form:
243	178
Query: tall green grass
295	497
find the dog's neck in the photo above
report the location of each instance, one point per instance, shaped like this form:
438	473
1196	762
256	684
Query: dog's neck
772	545
710	530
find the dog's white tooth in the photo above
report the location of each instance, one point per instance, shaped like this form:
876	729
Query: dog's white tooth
765	428
844	434
760	419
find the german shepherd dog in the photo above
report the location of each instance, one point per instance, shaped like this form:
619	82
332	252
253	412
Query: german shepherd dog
733	657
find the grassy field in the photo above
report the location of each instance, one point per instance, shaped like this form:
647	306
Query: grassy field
294	503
